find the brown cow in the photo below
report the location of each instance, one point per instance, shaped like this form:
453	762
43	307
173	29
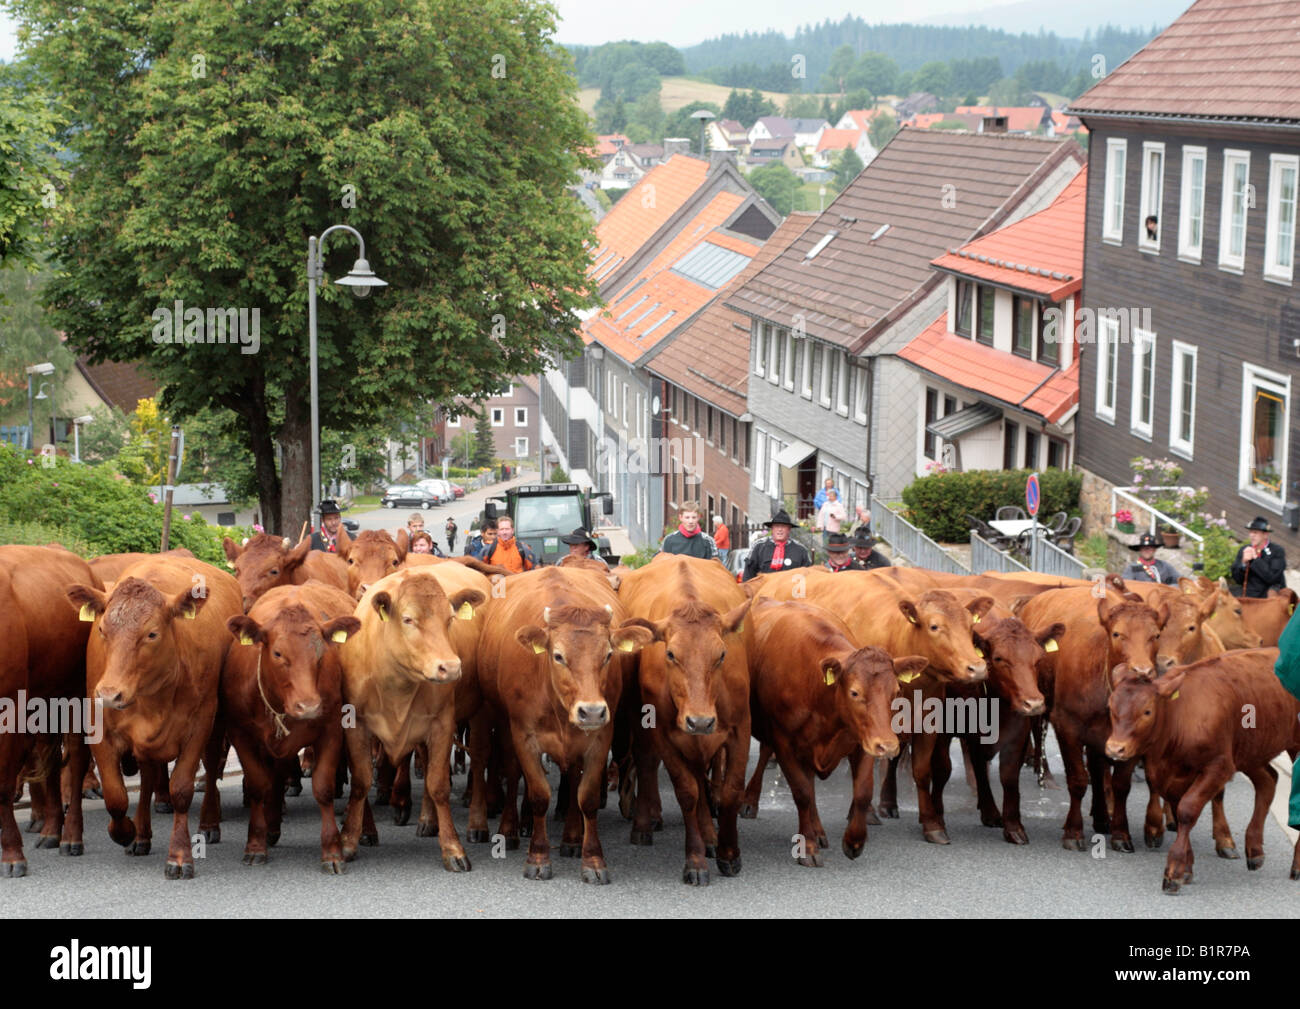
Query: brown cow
155	662
265	561
400	670
1197	726
1100	634
1268	617
284	692
816	698
109	567
552	665
1227	620
43	654
695	678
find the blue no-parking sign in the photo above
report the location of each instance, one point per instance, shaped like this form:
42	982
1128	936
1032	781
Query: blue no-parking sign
1032	495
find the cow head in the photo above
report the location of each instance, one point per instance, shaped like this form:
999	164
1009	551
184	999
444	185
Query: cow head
371	556
262	563
1013	653
137	627
293	645
1133	633
1181	636
1137	708
696	639
415	619
941	630
1226	621
576	644
865	685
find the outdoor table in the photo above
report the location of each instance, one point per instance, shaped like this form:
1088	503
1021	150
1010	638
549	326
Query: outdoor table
1014	527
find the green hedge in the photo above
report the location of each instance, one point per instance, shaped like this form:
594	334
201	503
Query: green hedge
94	510
938	504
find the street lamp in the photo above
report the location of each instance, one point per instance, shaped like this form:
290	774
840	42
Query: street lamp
703	115
44	368
361	279
54	432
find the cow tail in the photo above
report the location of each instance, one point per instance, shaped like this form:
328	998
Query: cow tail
47	756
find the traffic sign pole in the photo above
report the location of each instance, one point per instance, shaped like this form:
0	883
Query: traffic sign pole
1033	497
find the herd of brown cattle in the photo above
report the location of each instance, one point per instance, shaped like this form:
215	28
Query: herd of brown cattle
377	653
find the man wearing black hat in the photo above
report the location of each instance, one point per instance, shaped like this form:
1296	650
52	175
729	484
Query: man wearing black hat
1261	565
780	553
327	536
582	546
865	557
1146	568
838	556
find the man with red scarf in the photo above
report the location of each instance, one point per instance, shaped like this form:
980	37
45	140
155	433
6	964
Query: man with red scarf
1147	568
779	553
689	538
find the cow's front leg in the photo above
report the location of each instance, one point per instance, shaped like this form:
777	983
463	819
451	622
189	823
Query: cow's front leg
12	860
151	773
729	796
591	785
325	760
180	853
355	830
437	785
538	864
70	842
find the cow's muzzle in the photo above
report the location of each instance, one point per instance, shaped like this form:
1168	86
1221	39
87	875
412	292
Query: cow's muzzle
447	671
590	716
114	697
700	725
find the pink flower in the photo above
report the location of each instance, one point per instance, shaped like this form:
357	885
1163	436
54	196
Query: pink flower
55	483
153	497
186	518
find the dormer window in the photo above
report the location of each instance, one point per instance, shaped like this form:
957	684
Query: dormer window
984	323
965	294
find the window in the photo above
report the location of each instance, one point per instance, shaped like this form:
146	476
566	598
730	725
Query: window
774	449
860	495
521	448
706	519
708	424
984	324
1279	242
498	416
1058	454
819	361
1032	440
1182	410
801	367
931	415
1022	325
1107	366
748	458
1232	217
625	404
861	392
760	459
696	401
723	421
830	358
760	351
1153	187
841	379
521	416
1010	434
787	356
961	324
1142	407
1049	350
949	405
1265	411
1112	229
779	350
735	439
1191	205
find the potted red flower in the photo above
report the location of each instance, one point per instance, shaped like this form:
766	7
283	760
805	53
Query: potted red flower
1124	520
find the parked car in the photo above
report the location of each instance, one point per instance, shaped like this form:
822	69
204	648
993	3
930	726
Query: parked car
458	490
351	525
408	497
440	489
736	558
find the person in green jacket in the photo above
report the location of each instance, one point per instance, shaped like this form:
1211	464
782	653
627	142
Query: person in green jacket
1288	671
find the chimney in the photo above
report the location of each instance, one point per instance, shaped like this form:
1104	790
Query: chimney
676	145
994	124
719	158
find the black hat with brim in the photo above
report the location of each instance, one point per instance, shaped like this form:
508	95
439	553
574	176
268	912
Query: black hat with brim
781	518
837	543
1146	540
329	507
578	536
1260	524
863	542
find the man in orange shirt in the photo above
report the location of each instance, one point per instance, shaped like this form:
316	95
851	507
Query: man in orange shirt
721	538
507	551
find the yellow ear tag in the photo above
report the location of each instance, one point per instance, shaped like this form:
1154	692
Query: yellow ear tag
907	677
626	646
244	639
466	612
1174	696
231	565
1292	609
538	649
979	653
87	614
830	678
383	614
339	636
911	618
189	613
1050	645
975	618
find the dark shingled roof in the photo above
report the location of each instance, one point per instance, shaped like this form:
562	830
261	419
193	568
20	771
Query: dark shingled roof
1236	59
119	384
853	283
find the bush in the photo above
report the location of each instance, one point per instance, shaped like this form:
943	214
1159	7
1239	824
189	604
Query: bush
34	534
1218	552
938	504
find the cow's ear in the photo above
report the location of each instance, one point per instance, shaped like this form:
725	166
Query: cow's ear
403	542
90	601
383	604
343	545
1187	586
734	619
978	607
632	638
1103	610
1205	585
246	630
1167	685
1207	607
1018	603
231	548
1050	637
186	605
296	556
614	579
532	637
752	586
656	630
909	667
340	629
1117	583
908	609
1118	674
464	602
831	670
1162	615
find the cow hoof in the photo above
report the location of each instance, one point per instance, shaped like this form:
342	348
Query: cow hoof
138	847
644	838
850	849
695	877
369	840
872	820
212	835
1187	877
570	850
1073	844
272	838
1172	827
382	795
477	836
1227	852
1154	841
71	848
306	772
937	836
255	858
822	842
13	870
534	871
331	867
47	841
1015	835
456	863
1170	886
729	867
401	815
812	861
600	877
1122	844
34	826
748	812
173	870
710	851
1295	873
91	793
512	842
426	828
294	788
1254	862
349	854
657	825
162	806
526	829
889	812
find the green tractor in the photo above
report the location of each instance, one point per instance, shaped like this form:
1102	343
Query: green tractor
542	513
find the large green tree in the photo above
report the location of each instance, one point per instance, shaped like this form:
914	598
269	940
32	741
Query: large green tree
776	184
212	139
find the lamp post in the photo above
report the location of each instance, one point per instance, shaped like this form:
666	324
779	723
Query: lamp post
361	279
703	115
45	368
40	394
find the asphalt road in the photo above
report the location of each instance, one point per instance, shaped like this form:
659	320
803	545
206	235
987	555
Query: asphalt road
898	875
464	511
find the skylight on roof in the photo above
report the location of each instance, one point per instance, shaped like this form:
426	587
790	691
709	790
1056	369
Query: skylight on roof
633	323
601	275
822	242
710	265
661	321
632	309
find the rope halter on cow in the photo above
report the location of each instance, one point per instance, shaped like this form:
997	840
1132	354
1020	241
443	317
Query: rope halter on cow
281	730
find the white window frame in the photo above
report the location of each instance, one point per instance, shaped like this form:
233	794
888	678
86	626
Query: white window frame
518	411
773	372
761	340
1181	352
842	386
625	404
1150	202
1252	376
1142	339
1274	271
498	416
760	457
1107	337
787	373
774	449
1191	206
1227	261
521	453
862	380
1112	222
806	389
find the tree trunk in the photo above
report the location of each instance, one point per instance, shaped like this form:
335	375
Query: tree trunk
295	484
253	410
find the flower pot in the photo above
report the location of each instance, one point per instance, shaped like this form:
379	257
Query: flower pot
1124	527
1171	539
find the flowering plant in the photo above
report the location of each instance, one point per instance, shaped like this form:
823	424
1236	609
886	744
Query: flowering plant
935	467
1123	515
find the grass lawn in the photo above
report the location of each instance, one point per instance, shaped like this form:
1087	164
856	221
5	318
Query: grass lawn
365	502
678	92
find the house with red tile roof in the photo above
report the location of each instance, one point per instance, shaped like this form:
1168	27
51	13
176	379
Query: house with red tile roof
836	140
1020	118
662	254
999	366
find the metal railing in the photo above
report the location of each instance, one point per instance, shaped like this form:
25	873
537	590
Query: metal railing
984	556
1157	517
1052	560
908	540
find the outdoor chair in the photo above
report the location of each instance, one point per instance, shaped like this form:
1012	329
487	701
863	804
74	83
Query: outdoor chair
1010	512
1056	524
1065	538
987	532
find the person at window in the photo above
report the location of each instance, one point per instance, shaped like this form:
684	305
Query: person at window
690	539
331	521
1152	230
509	552
865	556
1260	565
1147	568
779	552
